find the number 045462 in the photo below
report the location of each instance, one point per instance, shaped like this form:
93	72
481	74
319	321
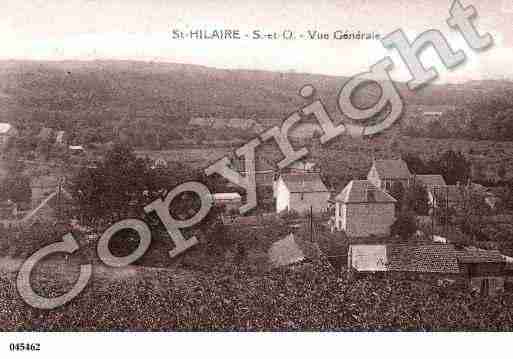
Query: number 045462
14	347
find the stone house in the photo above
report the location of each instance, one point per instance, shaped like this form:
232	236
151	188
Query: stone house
384	173
300	192
363	209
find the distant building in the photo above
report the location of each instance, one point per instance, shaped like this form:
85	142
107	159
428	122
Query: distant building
301	166
264	171
363	209
159	162
484	269
228	200
76	150
7	131
59	138
300	192
434	263
432	115
384	173
479	270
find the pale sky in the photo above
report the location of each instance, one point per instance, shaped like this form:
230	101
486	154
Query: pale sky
141	30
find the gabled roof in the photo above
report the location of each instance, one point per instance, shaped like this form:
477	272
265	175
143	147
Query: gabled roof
392	169
290	250
304	183
5	127
356	191
433	258
431	180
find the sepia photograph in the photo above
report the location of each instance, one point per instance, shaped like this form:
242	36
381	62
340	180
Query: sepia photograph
274	167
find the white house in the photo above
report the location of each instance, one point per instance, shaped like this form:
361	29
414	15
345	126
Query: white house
362	209
6	131
300	192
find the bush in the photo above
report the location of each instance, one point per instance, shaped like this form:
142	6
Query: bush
404	226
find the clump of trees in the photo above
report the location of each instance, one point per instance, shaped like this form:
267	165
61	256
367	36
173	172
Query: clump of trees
453	166
16	185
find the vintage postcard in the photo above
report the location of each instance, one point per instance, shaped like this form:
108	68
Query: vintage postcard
270	166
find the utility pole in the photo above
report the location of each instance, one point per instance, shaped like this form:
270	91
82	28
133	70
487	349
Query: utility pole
311	223
59	196
446	224
433	214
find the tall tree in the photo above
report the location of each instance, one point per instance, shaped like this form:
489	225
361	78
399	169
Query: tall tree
454	167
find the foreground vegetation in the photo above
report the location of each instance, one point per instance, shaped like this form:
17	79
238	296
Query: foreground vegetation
311	297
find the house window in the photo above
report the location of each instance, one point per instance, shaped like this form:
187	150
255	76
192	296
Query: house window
302	196
387	185
371	195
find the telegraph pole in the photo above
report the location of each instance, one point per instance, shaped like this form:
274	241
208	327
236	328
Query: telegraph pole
311	223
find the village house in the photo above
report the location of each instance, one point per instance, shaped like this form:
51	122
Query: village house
7	131
60	138
433	263
301	166
264	171
384	173
230	201
363	209
485	269
478	270
301	192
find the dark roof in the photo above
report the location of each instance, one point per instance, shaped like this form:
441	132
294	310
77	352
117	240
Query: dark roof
357	191
436	258
392	169
304	182
431	180
476	255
